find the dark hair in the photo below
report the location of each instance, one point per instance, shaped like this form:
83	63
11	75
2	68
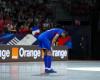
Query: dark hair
66	33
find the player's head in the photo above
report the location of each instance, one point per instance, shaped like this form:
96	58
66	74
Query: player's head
64	34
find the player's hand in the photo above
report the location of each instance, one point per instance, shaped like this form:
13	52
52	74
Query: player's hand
43	54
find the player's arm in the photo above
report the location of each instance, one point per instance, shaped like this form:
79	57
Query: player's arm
55	38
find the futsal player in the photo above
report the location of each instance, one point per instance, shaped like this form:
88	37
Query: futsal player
46	39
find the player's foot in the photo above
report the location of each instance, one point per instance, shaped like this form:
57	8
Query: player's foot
50	71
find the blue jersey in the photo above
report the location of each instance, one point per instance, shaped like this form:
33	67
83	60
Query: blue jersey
46	37
49	34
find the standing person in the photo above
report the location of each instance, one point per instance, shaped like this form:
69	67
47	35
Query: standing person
46	39
65	41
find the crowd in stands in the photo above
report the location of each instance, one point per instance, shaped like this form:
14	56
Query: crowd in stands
79	7
19	16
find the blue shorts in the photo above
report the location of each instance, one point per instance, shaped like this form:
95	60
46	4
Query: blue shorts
44	43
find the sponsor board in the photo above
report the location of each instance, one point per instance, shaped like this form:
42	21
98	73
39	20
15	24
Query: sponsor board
29	53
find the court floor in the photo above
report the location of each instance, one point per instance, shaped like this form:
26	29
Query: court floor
66	70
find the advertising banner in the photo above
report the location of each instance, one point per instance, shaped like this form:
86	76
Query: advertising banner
24	53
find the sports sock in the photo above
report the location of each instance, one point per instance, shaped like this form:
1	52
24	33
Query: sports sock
47	61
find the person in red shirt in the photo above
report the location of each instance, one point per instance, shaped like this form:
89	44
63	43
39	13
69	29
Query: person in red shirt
65	41
24	29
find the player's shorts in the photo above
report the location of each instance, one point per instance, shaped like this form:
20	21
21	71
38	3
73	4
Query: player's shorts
44	43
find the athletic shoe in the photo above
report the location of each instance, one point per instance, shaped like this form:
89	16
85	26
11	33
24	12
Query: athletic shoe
50	71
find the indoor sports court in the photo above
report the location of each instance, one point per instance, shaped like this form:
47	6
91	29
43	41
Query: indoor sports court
49	39
66	70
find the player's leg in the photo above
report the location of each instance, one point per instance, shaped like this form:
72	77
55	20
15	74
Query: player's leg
48	57
42	45
49	63
46	46
44	57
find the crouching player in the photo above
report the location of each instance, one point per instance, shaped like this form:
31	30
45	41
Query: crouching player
46	39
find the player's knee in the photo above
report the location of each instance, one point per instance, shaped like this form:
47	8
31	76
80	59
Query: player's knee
49	53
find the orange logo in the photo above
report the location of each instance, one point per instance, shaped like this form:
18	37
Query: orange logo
14	53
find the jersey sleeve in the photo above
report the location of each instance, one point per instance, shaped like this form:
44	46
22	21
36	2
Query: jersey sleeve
60	32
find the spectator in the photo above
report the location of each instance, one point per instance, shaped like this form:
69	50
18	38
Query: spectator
8	20
23	11
46	25
10	28
65	41
24	29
